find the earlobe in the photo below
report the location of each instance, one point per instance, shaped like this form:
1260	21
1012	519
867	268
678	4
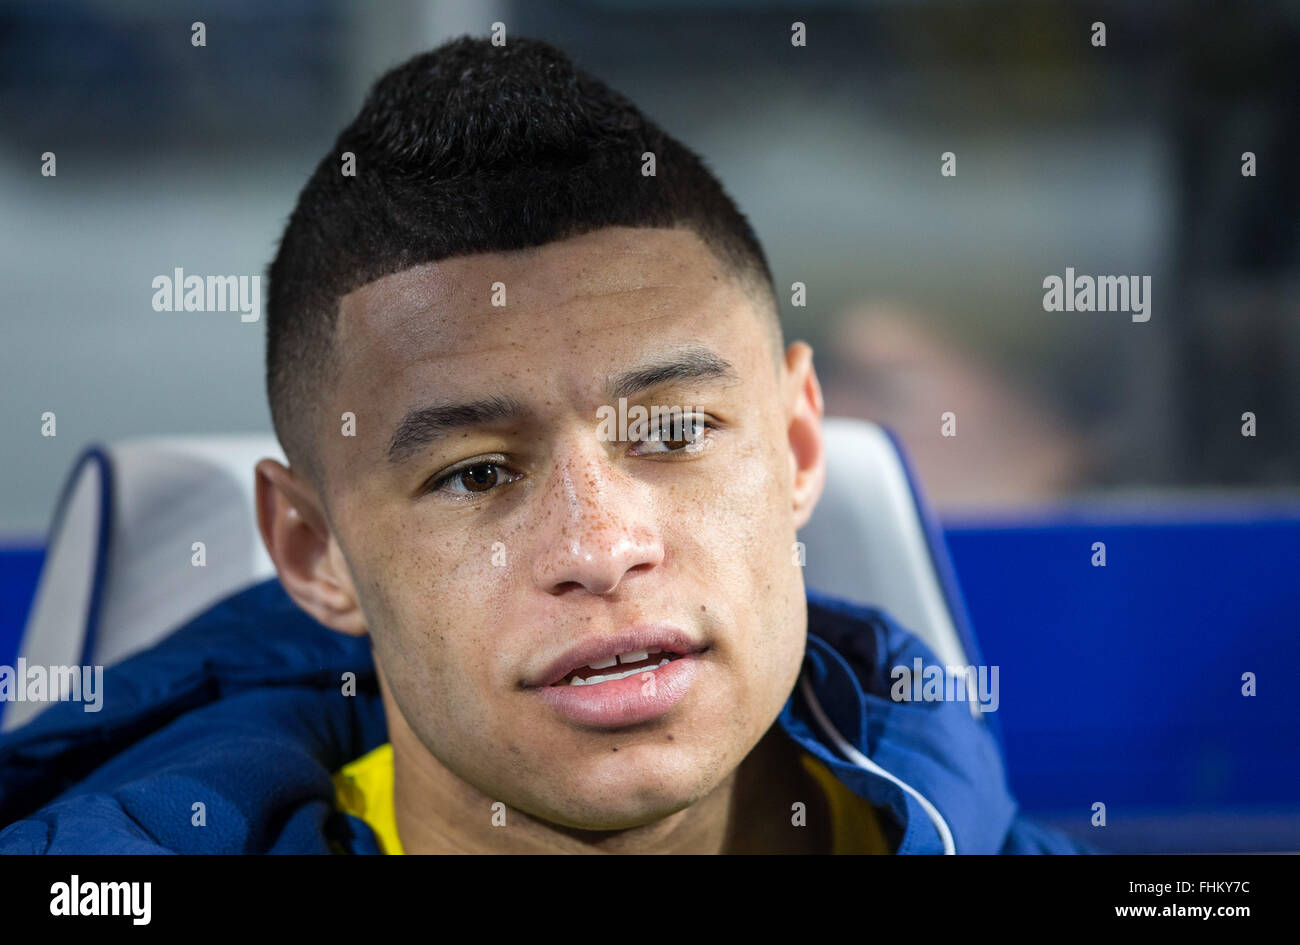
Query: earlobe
298	539
807	449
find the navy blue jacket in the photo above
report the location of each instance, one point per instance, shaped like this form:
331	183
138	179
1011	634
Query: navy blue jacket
242	710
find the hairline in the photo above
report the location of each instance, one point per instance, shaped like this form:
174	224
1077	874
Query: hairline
749	275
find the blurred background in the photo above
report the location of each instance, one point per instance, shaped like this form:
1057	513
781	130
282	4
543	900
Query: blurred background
924	295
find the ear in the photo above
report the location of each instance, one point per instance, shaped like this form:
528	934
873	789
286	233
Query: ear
804	410
307	557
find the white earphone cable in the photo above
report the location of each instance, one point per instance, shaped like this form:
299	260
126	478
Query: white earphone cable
862	761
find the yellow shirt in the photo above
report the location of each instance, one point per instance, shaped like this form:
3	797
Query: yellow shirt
364	788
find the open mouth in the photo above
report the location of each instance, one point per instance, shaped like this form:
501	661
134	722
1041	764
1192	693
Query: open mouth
594	685
618	667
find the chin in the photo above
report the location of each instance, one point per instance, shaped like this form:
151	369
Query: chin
633	795
598	816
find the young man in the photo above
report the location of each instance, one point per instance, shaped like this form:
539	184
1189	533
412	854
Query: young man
587	634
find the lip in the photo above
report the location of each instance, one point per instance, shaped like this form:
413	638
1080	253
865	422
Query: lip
624	702
598	648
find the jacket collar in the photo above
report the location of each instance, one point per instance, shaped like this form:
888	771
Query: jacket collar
938	748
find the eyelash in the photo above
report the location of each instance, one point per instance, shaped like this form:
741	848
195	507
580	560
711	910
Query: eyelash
708	426
438	484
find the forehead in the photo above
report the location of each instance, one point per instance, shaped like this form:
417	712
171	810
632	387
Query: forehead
590	296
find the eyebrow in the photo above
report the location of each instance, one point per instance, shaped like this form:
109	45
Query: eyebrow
425	425
694	363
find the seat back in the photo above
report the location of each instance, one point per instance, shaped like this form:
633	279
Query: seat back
122	567
873	540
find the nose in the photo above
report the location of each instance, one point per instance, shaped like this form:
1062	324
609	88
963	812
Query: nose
597	527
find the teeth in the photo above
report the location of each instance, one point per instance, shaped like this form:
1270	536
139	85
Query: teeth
610	677
604	664
636	657
591	681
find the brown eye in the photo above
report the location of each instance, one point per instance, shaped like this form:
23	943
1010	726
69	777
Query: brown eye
478	478
670	438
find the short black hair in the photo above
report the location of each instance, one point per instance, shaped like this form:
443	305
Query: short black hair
465	149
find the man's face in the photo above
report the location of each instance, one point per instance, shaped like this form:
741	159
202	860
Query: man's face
495	547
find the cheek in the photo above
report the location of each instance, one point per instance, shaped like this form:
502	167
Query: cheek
430	598
746	518
740	539
765	563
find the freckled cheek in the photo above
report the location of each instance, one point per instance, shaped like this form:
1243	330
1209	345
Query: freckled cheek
429	596
746	512
753	541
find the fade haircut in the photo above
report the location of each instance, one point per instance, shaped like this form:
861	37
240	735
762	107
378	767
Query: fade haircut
474	148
